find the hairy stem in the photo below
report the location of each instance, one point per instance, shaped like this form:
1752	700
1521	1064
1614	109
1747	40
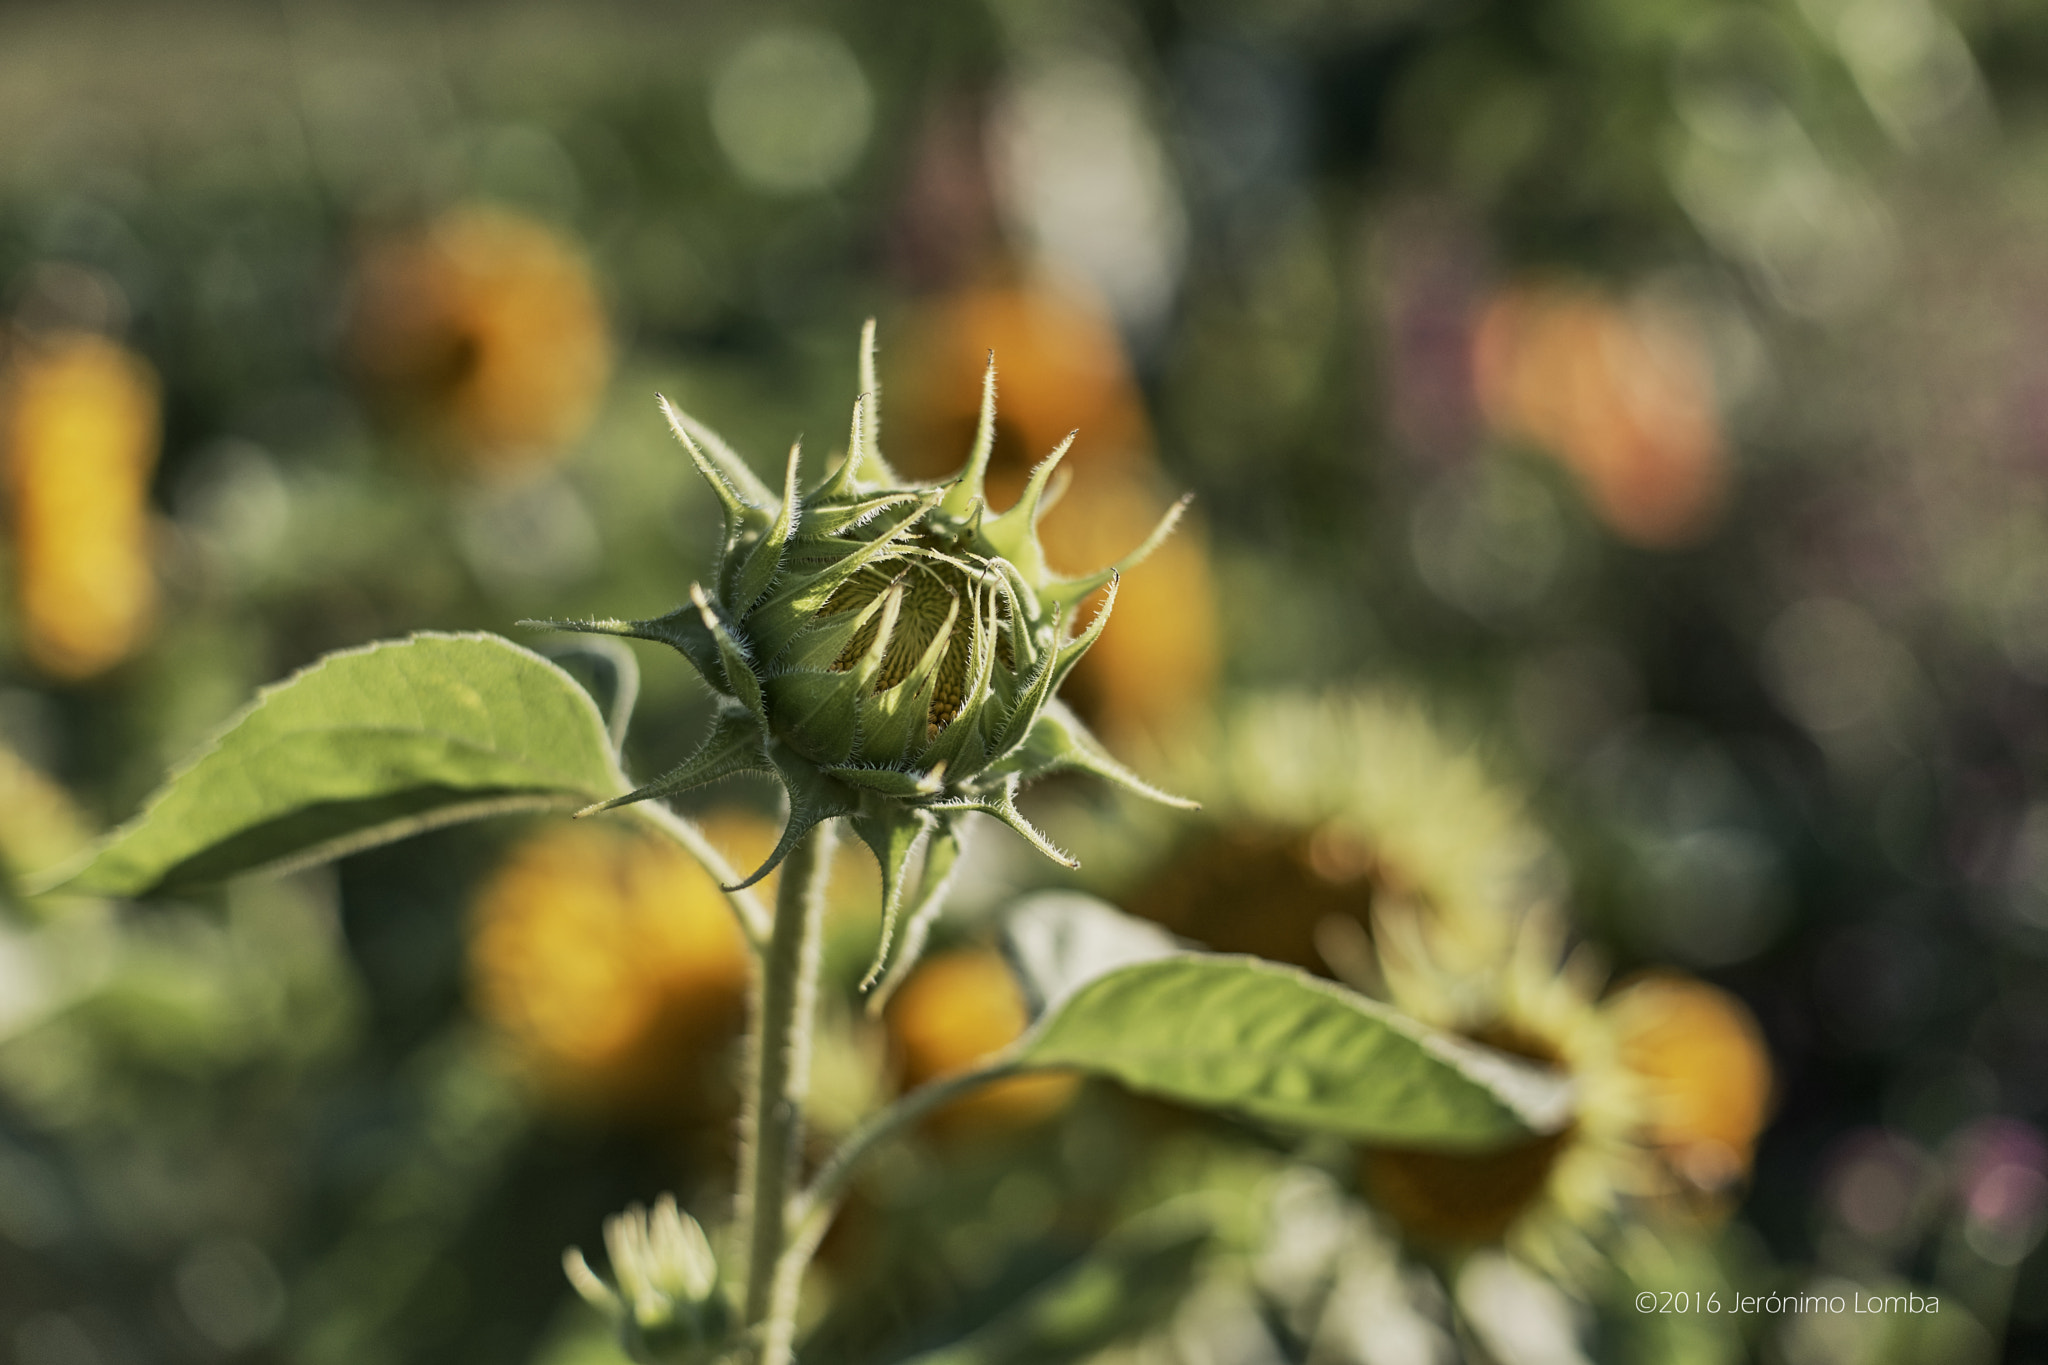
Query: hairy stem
812	1211
784	1007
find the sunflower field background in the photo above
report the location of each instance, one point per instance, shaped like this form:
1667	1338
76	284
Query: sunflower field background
1612	624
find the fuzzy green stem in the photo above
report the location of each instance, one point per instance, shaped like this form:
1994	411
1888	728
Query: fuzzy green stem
812	1211
784	1007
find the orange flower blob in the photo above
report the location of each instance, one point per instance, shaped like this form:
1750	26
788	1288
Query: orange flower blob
1623	398
80	438
1060	367
956	1009
615	967
1705	1072
1673	1086
485	330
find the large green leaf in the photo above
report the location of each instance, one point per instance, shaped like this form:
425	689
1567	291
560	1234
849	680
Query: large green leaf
363	747
1277	1045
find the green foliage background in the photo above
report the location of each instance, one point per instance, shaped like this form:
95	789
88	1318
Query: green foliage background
262	1123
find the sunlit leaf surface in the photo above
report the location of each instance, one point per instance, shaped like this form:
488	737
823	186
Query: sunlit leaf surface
363	747
1279	1046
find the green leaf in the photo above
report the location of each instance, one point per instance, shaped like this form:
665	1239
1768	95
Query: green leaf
1014	534
1059	941
1279	1046
904	786
360	748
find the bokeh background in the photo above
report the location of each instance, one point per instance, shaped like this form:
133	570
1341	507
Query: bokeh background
1619	440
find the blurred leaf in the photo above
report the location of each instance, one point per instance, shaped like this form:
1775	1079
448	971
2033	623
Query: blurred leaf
1126	1284
361	748
1279	1046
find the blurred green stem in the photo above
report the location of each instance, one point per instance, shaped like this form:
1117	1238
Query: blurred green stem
812	1212
784	1007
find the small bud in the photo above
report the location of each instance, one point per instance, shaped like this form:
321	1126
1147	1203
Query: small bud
663	1297
890	652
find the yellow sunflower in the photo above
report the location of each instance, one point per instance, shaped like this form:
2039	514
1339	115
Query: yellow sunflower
613	965
79	420
1318	810
486	331
1351	836
1672	1084
1704	1073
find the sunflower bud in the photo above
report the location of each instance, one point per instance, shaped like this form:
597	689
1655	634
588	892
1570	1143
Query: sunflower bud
890	651
663	1296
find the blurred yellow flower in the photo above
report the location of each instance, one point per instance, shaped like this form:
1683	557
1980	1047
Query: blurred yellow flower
956	1009
80	434
615	967
1671	1077
1705	1070
1060	367
1624	398
485	330
1549	1199
1316	811
1348	835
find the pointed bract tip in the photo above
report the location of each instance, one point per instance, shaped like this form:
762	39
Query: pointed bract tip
965	490
868	382
589	1286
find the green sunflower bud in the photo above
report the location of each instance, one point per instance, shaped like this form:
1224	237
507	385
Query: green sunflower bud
891	652
663	1298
